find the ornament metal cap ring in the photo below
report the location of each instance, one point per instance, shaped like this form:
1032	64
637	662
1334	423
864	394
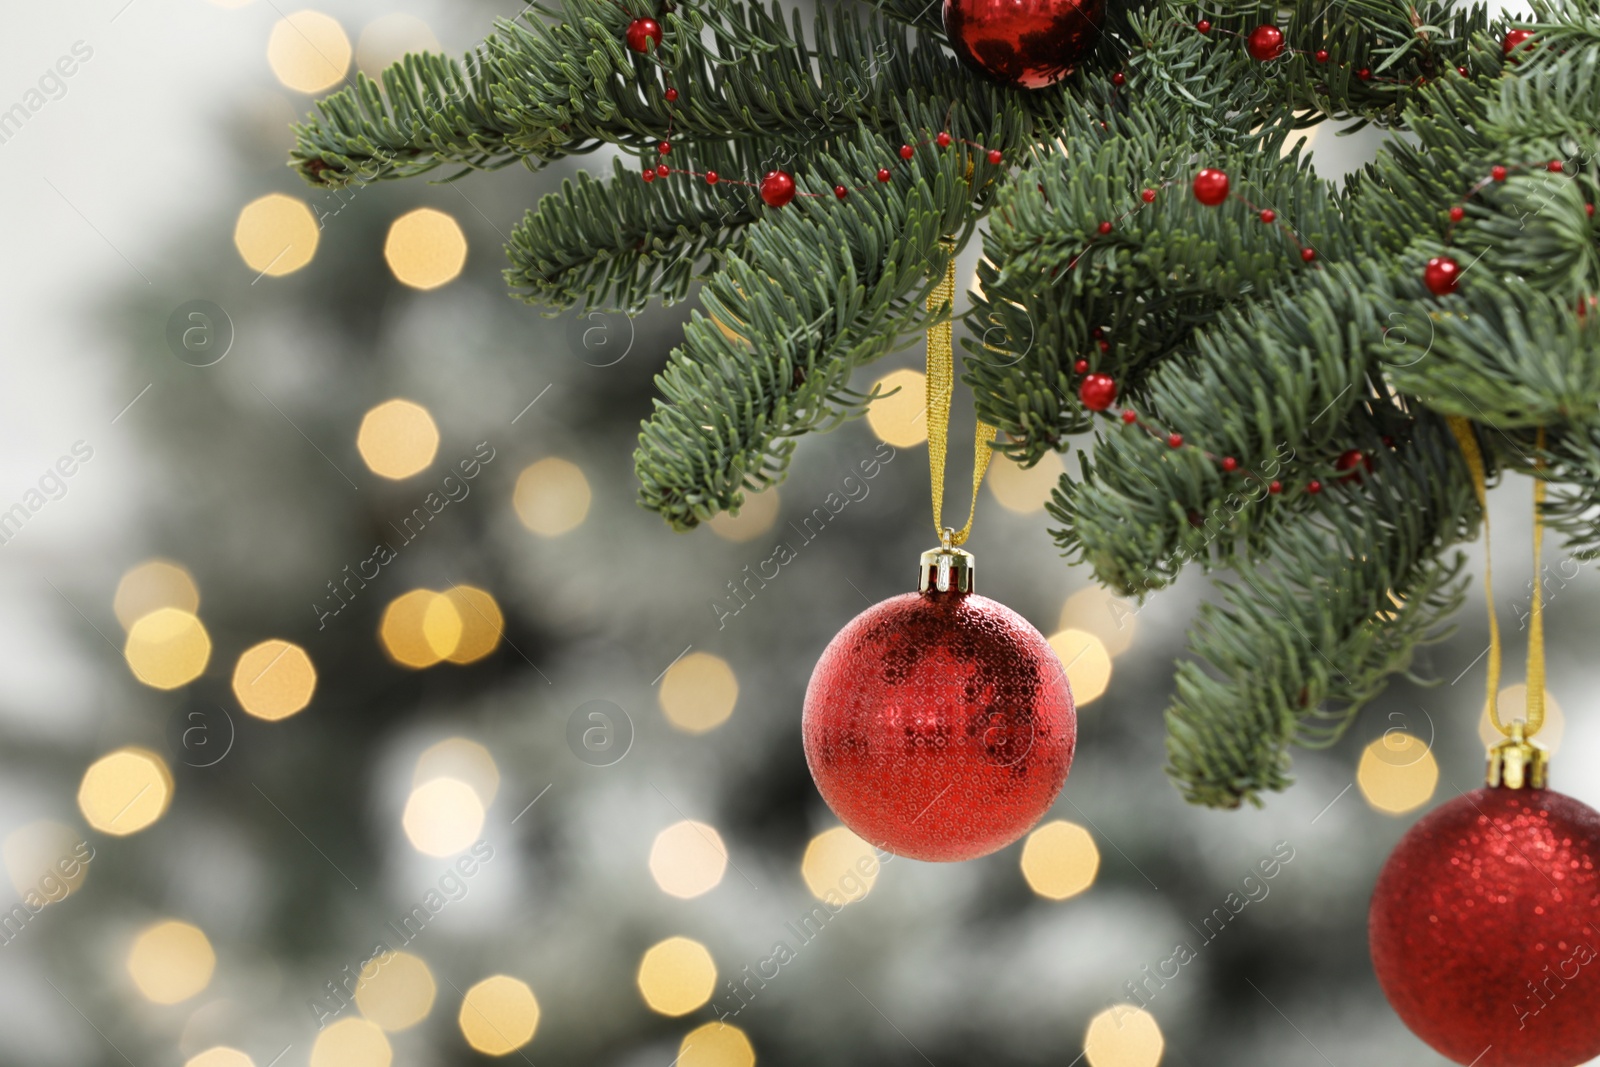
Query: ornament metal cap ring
946	569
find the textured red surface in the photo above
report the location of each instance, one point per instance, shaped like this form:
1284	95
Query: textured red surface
1481	929
1026	43
939	725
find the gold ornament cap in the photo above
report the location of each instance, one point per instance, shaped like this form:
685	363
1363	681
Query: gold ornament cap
1518	762
947	569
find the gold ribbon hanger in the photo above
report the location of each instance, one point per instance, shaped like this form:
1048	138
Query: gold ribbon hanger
941	386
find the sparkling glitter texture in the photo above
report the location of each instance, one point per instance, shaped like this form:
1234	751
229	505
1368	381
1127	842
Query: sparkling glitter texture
939	726
1481	929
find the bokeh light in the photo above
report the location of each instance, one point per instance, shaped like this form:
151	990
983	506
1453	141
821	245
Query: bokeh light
552	497
461	759
395	990
839	867
1060	860
902	419
308	51
1397	773
276	235
443	816
351	1042
220	1056
44	859
1123	1036
398	438
167	648
425	248
1024	490
676	976
1513	705
756	516
274	679
499	1015
125	791
386	39
1098	611
1087	663
420	628
480	620
688	858
715	1045
698	692
152	585
171	962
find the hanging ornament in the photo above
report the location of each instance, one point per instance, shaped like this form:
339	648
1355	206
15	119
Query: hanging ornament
1441	275
777	188
1265	43
1025	43
1481	922
939	724
642	33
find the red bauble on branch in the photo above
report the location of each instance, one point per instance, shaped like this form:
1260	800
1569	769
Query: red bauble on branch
1513	39
1481	930
1264	43
1097	392
939	725
642	33
1025	43
1441	275
777	188
1211	187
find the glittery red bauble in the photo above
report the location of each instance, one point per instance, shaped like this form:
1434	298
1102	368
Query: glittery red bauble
1441	275
777	188
1480	929
1026	43
1211	187
642	33
939	726
1264	43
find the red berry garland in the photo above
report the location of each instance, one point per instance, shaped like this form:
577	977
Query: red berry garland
642	33
1441	275
1265	43
1211	187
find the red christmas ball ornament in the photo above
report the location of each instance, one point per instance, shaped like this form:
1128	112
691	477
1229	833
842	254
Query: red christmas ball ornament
1513	38
939	725
840	191
672	95
1203	26
1097	391
1353	461
1025	43
1441	275
1264	44
1211	187
1480	929
943	140
642	33
994	157
1457	213
1148	196
777	188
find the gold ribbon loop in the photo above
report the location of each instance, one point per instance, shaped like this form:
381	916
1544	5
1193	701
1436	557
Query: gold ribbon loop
941	386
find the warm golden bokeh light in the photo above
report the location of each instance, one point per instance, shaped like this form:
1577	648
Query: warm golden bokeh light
756	516
125	791
386	39
276	235
499	1015
552	497
902	419
676	976
351	1042
308	51
1087	663
1024	491
461	759
442	817
395	990
1397	773
688	859
1110	618
839	867
397	439
220	1056
167	648
1513	705
481	624
171	962
698	692
151	585
715	1045
425	248
420	628
45	860
1123	1036
1060	860
274	679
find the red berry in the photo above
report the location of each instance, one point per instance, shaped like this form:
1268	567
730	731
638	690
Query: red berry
1148	196
1130	416
1098	333
1588	209
883	174
1322	55
1307	255
642	33
1105	346
1265	43
1352	461
672	96
906	151
1269	216
1314	487
1081	366
1211	187
1554	166
943	140
1498	173
663	170
1203	26
1441	275
1229	464
1119	78
1457	214
994	157
1175	440
840	191
711	177
1275	487
649	174
1513	38
1105	228
1097	392
1365	74
1463	72
777	188
664	148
